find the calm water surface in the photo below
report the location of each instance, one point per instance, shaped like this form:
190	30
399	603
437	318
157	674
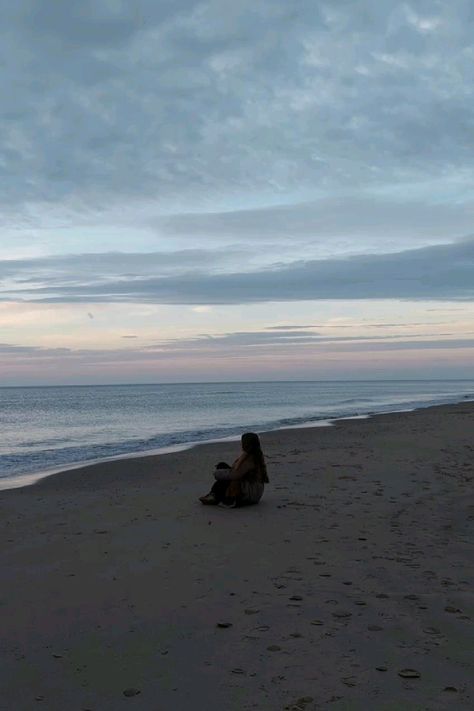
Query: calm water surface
48	428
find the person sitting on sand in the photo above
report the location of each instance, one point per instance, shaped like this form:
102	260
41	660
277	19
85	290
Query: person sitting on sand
243	482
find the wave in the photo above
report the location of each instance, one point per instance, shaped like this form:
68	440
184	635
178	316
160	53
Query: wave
56	453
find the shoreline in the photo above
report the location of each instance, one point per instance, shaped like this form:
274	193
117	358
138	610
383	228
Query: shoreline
355	566
30	479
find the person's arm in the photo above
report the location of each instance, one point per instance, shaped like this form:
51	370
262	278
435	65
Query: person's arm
240	468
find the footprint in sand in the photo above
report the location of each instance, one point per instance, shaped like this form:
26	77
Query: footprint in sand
409	674
452	609
131	692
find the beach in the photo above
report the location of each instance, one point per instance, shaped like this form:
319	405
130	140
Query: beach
350	586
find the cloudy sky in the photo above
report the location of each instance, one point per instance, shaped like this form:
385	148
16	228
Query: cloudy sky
224	191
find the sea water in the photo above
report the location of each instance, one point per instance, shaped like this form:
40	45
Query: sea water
49	428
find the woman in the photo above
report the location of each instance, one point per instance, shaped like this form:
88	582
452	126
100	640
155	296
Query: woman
242	483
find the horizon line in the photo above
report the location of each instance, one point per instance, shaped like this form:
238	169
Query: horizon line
235	382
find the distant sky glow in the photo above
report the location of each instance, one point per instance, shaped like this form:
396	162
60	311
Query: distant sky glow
236	191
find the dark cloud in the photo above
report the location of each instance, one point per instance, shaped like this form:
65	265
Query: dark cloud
289	328
369	218
101	267
404	325
261	339
79	25
91	23
17	350
437	272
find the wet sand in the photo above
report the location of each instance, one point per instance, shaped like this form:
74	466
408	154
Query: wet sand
356	566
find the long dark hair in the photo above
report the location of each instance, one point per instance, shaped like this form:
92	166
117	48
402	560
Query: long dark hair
251	445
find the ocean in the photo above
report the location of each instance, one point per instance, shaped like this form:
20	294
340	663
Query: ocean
47	429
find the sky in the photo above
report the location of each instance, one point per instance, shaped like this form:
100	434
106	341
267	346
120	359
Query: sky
261	190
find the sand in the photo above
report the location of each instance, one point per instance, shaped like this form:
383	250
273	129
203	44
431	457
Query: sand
356	565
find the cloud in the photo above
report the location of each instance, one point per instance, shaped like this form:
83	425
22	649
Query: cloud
436	272
215	153
101	267
358	221
265	341
18	350
235	346
197	102
289	328
88	24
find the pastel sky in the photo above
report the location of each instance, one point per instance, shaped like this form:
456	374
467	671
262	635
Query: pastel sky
226	190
